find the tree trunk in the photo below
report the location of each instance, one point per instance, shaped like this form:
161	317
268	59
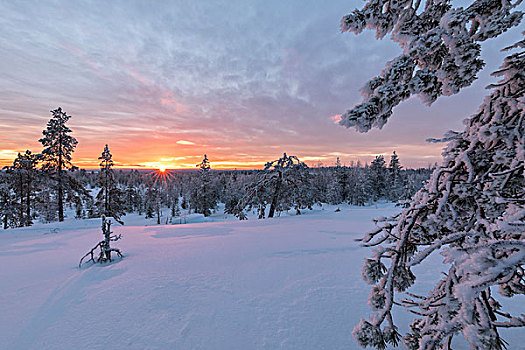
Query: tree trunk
60	190
21	208
29	221
60	198
275	198
158	213
106	196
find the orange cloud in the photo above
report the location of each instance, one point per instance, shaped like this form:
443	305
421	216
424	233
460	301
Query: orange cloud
184	142
336	118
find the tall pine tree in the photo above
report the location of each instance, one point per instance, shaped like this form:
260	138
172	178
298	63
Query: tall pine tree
58	147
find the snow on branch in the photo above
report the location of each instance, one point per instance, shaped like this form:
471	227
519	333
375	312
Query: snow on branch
472	211
104	246
441	51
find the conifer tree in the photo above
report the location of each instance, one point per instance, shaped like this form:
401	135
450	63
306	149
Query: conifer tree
339	191
396	185
58	147
109	199
7	203
203	195
285	172
473	209
378	178
285	182
23	180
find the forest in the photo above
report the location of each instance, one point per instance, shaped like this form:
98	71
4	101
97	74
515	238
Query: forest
41	186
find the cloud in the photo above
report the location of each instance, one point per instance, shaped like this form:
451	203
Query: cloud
184	142
336	118
244	81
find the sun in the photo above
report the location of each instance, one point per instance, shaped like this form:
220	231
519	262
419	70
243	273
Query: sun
162	168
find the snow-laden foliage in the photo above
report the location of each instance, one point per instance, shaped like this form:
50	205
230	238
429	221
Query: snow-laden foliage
396	184
472	211
23	182
172	195
8	207
109	201
378	178
285	183
441	50
203	198
104	254
58	147
58	144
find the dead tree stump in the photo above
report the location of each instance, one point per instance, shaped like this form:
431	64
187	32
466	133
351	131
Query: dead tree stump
105	248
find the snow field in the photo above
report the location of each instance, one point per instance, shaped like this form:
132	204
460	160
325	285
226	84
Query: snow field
285	283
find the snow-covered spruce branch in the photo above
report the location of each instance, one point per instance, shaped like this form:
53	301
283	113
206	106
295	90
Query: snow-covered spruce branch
420	256
441	51
472	210
512	322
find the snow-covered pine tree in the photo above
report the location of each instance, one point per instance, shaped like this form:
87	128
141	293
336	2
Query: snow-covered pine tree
233	194
46	205
377	180
301	194
285	182
23	180
282	174
359	185
109	201
203	195
153	202
8	212
396	185
339	188
58	147
175	208
473	208
130	198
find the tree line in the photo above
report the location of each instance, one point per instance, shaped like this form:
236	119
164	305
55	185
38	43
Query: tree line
43	185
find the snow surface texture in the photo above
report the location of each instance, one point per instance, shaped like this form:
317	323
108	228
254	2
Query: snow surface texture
292	282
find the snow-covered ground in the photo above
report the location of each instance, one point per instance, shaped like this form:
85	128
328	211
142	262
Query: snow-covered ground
292	282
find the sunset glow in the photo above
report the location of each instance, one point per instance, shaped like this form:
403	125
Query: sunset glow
163	98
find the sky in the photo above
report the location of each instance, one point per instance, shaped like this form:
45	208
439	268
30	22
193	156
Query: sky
163	83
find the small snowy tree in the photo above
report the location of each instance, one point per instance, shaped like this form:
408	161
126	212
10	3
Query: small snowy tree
104	245
109	199
153	202
203	195
339	188
473	208
396	185
377	179
58	147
